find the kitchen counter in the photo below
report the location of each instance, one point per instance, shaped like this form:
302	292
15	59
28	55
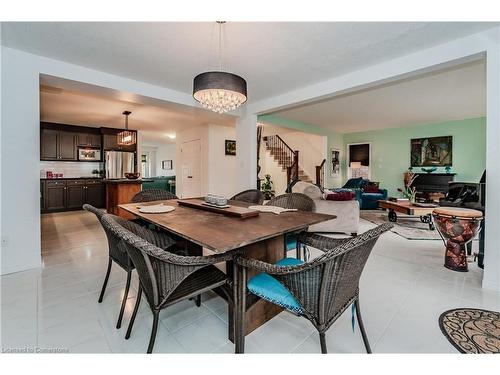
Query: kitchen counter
117	181
72	178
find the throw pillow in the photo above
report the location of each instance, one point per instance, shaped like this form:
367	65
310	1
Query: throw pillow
371	187
340	196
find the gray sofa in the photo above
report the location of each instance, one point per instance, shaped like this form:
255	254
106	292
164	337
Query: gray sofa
347	212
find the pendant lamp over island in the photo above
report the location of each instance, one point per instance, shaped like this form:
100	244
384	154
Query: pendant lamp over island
126	137
220	91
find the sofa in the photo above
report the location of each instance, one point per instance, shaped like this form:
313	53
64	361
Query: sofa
367	200
162	182
347	212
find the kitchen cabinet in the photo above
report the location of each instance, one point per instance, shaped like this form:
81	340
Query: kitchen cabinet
88	140
71	194
111	144
58	145
55	195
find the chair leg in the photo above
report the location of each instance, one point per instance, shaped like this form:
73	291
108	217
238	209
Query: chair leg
124	301
153	331
322	341
197	300
134	313
240	310
362	327
110	262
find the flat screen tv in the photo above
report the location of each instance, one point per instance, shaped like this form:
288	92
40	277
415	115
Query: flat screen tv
432	152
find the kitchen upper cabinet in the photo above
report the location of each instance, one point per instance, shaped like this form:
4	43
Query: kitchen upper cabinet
67	146
49	144
58	145
88	140
111	144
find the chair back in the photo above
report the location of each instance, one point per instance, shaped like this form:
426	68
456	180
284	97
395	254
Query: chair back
249	196
96	211
298	201
152	195
329	284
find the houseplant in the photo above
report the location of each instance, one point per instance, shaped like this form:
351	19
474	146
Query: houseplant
409	192
267	187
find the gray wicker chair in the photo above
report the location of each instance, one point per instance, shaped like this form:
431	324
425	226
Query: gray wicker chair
249	196
152	195
321	290
298	201
121	258
165	277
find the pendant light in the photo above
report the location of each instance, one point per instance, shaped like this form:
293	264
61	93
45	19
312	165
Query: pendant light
220	91
126	137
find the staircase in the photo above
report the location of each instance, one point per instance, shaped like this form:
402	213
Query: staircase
286	157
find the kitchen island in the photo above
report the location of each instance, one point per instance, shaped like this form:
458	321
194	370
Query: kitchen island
120	191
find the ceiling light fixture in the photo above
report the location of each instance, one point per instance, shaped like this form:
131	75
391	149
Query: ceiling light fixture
220	91
126	137
171	136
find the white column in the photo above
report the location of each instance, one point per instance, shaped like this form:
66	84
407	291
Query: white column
246	151
491	277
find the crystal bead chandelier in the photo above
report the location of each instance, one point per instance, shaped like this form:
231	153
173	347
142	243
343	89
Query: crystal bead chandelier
220	91
126	137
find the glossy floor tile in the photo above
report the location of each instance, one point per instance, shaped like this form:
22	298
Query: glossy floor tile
404	289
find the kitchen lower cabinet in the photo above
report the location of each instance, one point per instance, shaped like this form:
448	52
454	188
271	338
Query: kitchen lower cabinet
71	194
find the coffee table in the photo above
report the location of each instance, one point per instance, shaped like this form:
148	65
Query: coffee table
424	213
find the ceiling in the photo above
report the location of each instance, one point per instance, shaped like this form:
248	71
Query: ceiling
274	57
455	94
155	122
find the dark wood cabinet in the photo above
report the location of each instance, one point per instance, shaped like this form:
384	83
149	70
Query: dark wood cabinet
58	145
111	144
95	193
88	140
55	196
49	144
71	194
67	146
75	194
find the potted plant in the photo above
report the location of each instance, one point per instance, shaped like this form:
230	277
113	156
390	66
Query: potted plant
409	192
95	172
267	187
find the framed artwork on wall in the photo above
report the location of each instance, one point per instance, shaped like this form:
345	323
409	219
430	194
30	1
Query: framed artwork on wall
230	147
335	166
166	165
432	152
358	160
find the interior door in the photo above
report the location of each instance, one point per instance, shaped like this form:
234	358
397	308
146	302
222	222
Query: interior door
191	169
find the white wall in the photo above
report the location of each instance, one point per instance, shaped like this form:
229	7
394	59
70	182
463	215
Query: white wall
165	152
271	167
222	168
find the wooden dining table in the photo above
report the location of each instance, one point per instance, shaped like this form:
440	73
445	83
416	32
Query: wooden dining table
260	237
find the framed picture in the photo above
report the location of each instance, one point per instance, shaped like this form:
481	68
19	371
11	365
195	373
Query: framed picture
230	147
432	152
335	166
166	164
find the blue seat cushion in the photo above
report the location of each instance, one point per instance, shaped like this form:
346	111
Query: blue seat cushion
267	287
291	242
372	196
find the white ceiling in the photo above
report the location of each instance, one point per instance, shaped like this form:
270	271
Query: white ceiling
454	94
274	57
155	122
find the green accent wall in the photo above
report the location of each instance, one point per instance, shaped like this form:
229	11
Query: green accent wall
390	150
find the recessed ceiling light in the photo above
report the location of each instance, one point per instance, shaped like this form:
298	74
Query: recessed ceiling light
171	136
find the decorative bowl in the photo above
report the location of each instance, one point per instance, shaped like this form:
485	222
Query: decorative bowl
132	175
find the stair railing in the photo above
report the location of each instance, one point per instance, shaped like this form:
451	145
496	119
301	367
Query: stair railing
287	157
320	175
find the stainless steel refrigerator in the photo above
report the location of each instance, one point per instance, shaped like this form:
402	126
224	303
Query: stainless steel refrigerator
118	163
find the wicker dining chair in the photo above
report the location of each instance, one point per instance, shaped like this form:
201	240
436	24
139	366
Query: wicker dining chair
249	196
121	258
296	201
165	277
149	195
319	290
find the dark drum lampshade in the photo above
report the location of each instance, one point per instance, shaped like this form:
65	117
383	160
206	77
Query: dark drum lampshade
220	91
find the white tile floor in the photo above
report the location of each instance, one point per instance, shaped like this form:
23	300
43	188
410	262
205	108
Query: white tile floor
404	289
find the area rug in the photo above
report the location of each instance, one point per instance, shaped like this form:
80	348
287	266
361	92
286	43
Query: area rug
409	227
472	331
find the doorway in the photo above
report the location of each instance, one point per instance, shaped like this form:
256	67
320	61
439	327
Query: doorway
191	169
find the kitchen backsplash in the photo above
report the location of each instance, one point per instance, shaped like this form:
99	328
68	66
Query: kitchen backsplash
69	169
